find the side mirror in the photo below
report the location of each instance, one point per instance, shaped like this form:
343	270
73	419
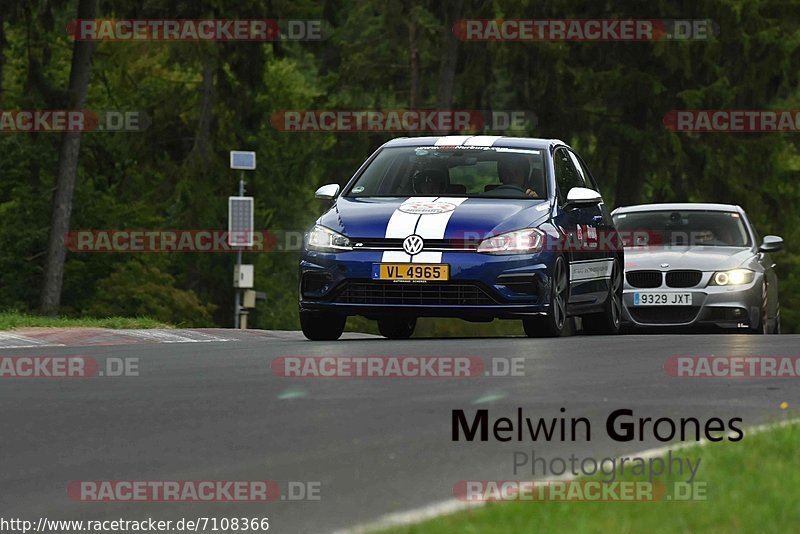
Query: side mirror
582	197
327	192
771	243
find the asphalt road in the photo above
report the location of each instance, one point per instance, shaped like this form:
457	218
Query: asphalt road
215	411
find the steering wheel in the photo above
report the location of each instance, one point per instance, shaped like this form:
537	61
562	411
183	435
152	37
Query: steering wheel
509	186
512	191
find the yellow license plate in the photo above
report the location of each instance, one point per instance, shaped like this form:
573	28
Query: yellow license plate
412	272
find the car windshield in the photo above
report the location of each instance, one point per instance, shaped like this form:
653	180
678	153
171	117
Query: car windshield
454	172
683	228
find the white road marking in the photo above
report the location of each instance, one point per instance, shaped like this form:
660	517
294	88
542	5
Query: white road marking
172	336
16	341
491	396
452	506
9	340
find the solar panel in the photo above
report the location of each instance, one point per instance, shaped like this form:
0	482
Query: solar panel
245	161
240	221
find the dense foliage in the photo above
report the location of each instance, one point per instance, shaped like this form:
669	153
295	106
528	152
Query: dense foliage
204	99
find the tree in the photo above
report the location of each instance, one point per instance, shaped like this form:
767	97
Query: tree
69	151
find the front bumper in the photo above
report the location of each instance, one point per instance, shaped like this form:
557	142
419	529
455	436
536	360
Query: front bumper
730	308
481	286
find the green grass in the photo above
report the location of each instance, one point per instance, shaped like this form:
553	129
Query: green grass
12	319
752	486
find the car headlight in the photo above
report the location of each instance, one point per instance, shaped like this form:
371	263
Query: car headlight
525	241
326	240
735	277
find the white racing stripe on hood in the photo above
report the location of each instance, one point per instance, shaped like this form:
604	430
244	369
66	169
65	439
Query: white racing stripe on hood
482	140
433	227
430	226
452	140
401	225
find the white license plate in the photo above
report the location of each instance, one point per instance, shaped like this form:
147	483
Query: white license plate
661	299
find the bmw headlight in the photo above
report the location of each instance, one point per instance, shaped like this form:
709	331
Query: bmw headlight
736	277
326	240
526	241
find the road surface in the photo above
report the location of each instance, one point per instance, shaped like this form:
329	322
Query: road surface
214	410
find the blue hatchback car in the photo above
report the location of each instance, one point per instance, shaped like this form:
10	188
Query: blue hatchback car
473	227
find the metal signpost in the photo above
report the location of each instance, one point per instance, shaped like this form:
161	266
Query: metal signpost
240	229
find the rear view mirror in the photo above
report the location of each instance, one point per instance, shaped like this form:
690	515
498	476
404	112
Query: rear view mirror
327	192
771	243
582	197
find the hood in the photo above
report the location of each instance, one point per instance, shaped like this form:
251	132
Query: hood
439	217
703	258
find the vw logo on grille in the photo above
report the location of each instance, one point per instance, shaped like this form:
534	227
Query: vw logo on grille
413	244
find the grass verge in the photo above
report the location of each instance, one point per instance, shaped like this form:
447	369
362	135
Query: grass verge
752	486
12	319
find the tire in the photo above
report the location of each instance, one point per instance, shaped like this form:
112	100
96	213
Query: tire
763	320
397	328
627	329
552	323
608	321
321	326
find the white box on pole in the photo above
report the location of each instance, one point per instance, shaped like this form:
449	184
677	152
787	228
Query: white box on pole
243	276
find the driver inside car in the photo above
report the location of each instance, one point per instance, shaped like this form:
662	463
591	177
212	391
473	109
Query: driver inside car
513	172
429	182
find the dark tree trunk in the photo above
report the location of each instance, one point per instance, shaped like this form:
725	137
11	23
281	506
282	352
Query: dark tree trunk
201	150
413	100
2	57
631	176
447	67
67	170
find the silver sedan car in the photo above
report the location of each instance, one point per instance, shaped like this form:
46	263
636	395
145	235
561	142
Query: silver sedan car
697	265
